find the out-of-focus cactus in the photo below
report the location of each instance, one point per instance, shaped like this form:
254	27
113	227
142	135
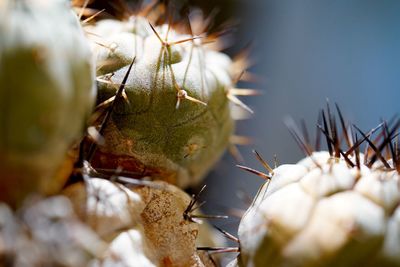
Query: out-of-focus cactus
144	226
336	208
46	94
170	233
173	120
108	208
46	233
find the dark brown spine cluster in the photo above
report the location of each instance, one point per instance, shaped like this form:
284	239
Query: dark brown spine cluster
345	140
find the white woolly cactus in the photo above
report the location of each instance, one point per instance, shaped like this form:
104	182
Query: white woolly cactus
46	94
336	208
173	119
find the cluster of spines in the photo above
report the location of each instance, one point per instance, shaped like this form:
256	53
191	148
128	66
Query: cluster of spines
163	14
240	62
160	14
383	147
189	216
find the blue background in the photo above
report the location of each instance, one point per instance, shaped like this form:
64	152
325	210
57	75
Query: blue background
307	51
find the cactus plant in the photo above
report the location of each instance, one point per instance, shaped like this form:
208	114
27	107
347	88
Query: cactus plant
46	94
164	112
107	207
46	232
336	208
173	119
151	223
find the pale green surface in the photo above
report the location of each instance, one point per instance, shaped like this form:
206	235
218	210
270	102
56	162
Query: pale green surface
46	90
160	133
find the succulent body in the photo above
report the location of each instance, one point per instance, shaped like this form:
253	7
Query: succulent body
144	226
108	208
46	233
46	94
336	208
173	121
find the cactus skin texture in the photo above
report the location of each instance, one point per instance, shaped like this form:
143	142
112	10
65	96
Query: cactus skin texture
331	217
46	232
336	208
46	94
174	122
143	226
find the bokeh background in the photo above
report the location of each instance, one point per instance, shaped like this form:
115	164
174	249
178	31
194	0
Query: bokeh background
306	51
